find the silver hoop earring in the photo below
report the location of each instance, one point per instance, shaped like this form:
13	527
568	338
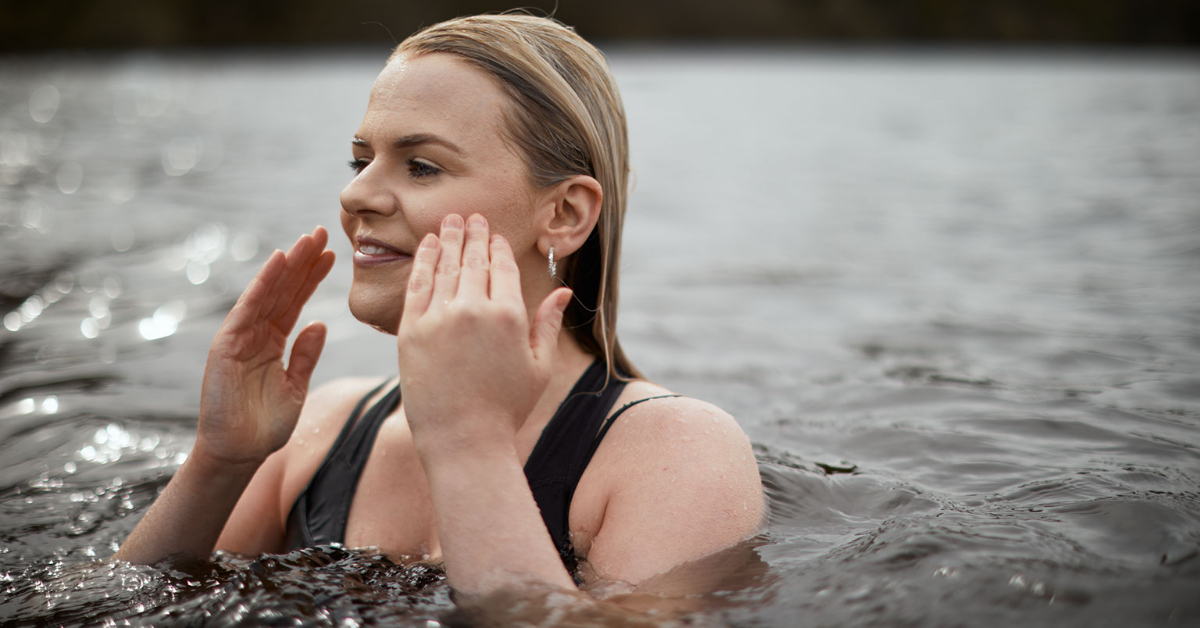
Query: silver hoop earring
553	266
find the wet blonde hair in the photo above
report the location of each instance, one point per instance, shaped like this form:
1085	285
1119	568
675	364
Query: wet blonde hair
566	119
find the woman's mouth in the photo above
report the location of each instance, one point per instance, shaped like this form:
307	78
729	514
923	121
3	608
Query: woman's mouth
373	253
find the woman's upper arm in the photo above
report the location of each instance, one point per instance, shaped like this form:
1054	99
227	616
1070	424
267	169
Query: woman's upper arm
680	482
255	525
259	521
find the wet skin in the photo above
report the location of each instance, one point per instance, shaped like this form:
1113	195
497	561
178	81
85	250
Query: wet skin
450	241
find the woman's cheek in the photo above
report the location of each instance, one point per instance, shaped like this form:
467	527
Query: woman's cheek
349	226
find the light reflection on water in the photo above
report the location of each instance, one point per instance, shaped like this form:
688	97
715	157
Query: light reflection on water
951	299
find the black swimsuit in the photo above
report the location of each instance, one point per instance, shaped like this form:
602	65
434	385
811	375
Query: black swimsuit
558	460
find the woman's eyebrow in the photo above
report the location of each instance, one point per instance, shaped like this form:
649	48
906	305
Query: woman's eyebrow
416	139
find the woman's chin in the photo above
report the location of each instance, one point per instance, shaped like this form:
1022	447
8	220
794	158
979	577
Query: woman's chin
379	311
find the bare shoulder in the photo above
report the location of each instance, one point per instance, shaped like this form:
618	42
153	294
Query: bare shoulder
333	401
676	444
690	426
673	480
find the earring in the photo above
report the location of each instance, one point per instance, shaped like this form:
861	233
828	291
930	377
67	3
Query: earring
553	266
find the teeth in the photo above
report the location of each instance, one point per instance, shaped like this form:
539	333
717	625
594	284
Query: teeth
371	249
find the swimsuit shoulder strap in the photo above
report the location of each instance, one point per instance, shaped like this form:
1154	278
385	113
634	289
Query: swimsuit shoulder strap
319	515
559	456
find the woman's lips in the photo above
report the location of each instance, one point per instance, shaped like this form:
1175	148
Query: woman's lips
372	252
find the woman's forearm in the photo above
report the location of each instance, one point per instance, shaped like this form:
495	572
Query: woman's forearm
489	525
187	518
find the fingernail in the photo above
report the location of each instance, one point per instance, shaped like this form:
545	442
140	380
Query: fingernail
453	221
564	301
430	241
477	221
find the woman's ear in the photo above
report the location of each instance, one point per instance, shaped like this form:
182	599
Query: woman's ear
576	208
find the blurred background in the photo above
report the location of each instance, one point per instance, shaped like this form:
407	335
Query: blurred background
941	259
174	23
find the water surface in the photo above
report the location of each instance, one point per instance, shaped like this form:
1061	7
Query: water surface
953	298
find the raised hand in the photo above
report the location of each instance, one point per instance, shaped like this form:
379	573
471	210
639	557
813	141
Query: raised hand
472	365
250	402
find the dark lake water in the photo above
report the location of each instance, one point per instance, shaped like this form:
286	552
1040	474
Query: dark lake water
954	299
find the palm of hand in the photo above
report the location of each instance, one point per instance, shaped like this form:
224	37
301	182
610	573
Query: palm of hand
250	402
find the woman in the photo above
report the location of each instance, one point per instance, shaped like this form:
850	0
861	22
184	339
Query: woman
485	214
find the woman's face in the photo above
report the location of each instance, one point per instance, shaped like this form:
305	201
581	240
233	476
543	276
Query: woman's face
431	144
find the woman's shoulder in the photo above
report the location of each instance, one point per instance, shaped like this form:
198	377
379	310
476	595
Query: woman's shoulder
329	405
674	479
659	431
647	409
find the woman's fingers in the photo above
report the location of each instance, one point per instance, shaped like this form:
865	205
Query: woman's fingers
505	276
546	324
301	258
305	353
283	285
473	281
259	295
445	284
420	278
316	275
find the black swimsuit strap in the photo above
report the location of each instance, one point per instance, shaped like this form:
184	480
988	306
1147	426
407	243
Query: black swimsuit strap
319	515
567	445
553	470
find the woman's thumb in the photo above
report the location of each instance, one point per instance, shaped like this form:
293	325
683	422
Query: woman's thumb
548	322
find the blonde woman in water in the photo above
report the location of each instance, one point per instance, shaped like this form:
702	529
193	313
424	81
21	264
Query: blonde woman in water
519	444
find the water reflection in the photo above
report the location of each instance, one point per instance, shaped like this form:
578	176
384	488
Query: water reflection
937	277
164	322
69	177
43	103
179	156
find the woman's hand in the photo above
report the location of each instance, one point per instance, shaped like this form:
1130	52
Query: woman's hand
472	366
249	402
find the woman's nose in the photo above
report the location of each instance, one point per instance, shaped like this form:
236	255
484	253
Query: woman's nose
367	193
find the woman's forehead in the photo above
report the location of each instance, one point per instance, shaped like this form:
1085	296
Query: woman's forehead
435	93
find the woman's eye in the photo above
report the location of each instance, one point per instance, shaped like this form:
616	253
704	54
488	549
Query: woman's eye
358	165
419	169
